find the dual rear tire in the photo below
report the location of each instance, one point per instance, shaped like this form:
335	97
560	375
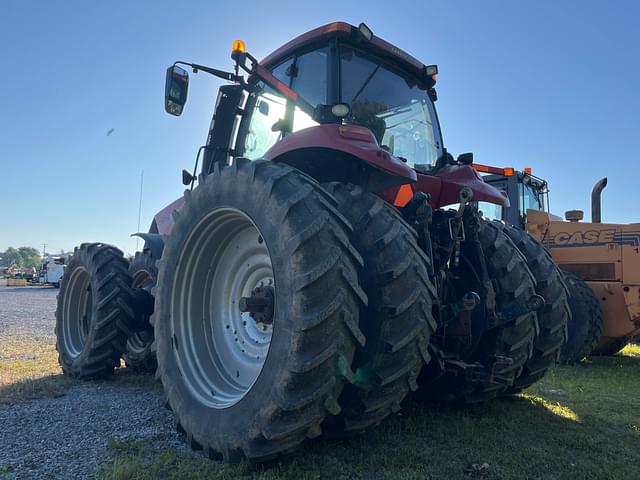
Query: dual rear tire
330	362
553	318
257	383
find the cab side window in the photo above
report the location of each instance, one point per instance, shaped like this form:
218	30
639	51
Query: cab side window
269	108
307	75
311	84
311	78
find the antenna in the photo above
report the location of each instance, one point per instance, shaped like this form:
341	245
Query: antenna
140	207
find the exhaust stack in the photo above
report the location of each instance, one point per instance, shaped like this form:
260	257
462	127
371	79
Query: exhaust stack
596	204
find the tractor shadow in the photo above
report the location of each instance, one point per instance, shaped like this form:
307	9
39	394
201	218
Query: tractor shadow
57	385
24	390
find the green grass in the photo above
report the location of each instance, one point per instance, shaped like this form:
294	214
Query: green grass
580	422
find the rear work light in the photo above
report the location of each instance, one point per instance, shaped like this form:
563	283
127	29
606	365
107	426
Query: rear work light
365	31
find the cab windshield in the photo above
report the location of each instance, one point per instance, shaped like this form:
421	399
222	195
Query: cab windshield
531	199
392	105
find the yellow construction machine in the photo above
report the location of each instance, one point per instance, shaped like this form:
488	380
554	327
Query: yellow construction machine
605	257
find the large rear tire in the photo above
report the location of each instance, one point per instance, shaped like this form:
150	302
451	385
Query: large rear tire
554	317
95	311
510	340
256	384
139	354
585	326
397	322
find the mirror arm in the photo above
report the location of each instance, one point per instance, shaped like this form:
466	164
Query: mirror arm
213	71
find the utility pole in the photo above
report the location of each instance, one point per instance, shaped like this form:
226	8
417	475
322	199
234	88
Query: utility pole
44	251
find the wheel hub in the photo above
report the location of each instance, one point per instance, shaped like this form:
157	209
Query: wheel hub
259	304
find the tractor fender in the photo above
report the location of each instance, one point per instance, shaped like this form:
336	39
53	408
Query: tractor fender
444	187
163	220
153	242
454	178
343	153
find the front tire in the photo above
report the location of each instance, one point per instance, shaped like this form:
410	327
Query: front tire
256	384
95	311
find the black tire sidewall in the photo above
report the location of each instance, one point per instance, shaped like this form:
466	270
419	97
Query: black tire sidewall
228	426
80	259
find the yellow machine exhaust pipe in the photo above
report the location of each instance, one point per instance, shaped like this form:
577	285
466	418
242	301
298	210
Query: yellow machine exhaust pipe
596	203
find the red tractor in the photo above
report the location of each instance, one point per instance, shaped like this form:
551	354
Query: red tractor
312	276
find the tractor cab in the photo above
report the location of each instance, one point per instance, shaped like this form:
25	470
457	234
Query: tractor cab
524	190
337	75
339	104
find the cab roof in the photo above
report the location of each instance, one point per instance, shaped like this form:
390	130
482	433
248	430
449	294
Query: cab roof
345	30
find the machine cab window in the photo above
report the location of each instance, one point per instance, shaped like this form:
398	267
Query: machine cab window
393	105
271	117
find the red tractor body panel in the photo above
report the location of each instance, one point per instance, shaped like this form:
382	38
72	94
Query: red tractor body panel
353	140
454	178
444	187
164	218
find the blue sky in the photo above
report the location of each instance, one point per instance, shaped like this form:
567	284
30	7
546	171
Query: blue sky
552	85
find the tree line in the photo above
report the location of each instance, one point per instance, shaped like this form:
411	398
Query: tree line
20	257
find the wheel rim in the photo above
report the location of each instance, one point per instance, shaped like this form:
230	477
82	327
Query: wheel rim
77	311
221	350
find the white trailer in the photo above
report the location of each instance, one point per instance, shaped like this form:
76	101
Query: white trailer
53	269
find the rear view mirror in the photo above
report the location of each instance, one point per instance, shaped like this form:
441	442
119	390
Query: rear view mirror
175	90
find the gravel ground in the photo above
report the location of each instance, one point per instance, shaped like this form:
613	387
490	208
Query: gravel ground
66	437
27	313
